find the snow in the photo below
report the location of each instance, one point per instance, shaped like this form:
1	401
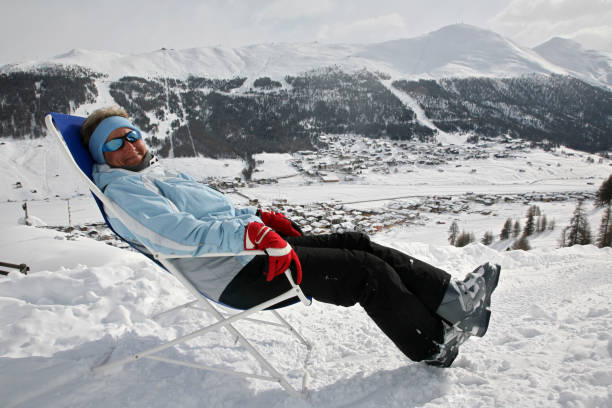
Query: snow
411	103
458	50
588	65
274	166
549	342
86	302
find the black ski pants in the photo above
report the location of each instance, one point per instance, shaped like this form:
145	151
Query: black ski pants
400	293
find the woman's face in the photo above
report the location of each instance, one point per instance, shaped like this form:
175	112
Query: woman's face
130	154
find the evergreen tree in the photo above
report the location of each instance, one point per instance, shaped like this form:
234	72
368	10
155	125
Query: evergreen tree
563	237
464	238
487	238
578	231
530	225
453	231
537	211
522	243
516	230
506	229
605	230
542	223
604	194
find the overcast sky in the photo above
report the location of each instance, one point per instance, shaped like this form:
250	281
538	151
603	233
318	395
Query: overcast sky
37	29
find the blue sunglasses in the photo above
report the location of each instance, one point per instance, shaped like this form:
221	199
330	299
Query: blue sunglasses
117	144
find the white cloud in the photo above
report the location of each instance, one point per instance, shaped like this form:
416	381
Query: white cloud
292	9
554	11
195	23
597	38
378	28
531	22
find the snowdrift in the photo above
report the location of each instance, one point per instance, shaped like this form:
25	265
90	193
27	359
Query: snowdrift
549	343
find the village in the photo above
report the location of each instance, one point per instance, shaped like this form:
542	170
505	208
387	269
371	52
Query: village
347	159
322	218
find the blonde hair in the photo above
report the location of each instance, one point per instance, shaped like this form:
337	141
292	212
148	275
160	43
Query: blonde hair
91	123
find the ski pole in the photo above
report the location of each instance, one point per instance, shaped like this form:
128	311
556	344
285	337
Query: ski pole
23	268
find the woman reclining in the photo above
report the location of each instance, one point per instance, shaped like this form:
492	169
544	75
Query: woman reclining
425	312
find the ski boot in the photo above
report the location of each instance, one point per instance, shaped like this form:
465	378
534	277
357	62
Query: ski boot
453	338
466	304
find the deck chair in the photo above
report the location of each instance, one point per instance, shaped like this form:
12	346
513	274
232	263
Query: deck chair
65	128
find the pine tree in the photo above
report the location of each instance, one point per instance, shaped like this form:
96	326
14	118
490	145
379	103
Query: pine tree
453	231
605	230
516	230
530	226
464	238
487	238
522	243
506	229
563	237
542	223
537	211
604	194
578	231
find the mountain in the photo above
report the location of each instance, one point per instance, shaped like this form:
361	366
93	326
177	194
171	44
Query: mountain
558	109
459	51
588	65
220	102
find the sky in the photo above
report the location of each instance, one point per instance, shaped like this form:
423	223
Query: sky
38	29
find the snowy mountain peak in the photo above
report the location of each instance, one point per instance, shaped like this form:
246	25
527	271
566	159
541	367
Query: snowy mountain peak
465	32
560	43
459	50
588	65
81	53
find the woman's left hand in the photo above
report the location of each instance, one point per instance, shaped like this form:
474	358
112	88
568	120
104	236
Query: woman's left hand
279	223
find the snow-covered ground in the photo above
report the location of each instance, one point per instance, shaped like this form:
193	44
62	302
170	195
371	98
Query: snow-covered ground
549	343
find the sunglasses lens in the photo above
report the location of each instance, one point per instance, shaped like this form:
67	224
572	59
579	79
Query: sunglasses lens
116	144
113	145
132	136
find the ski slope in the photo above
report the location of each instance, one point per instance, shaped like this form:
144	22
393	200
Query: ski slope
549	343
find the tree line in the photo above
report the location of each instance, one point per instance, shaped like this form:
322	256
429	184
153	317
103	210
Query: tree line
578	232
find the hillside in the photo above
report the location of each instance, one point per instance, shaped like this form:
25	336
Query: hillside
221	102
86	301
549	341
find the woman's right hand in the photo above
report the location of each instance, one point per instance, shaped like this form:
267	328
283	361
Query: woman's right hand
258	236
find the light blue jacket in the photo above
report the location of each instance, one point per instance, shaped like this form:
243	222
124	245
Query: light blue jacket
171	213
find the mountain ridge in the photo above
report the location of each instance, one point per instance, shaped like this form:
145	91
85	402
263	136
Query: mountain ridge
282	97
588	65
458	50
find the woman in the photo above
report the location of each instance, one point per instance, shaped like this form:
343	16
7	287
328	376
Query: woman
418	306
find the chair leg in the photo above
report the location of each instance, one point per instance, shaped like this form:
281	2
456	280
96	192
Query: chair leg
297	334
174	309
291	329
222	322
258	356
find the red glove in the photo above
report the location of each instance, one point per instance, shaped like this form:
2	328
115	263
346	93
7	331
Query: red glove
279	223
280	253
